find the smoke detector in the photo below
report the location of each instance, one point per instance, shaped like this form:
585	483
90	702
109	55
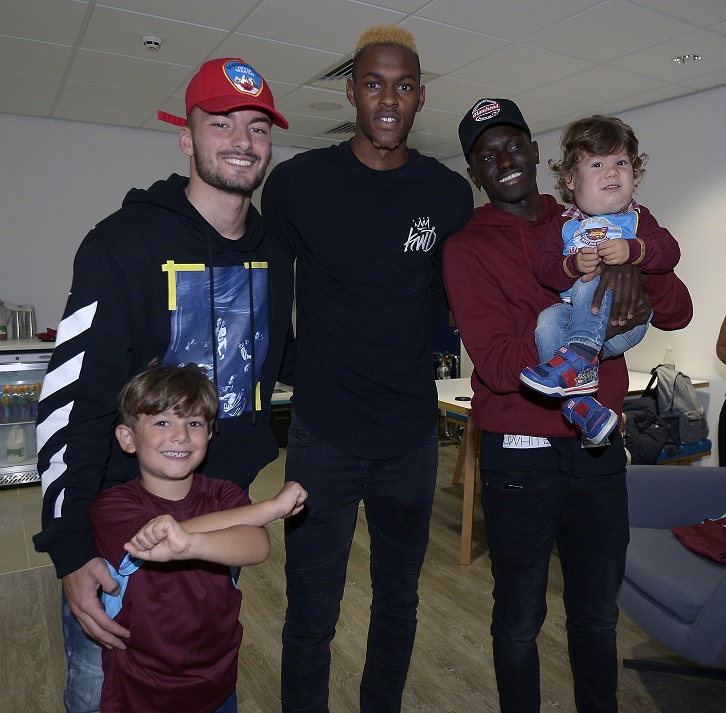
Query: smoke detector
151	42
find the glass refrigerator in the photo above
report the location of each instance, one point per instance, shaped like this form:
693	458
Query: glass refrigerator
23	365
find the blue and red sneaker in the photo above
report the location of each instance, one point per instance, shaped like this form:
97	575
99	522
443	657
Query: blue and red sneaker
566	374
595	420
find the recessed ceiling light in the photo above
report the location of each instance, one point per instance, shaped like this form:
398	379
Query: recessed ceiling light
687	58
325	106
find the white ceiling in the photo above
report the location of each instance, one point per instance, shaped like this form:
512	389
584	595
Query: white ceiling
558	59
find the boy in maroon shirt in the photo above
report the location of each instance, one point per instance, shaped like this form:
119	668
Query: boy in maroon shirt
172	538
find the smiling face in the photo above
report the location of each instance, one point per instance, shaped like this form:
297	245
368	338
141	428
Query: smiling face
503	163
386	94
230	151
602	184
169	449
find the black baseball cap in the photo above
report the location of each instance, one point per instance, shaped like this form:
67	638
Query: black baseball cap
485	114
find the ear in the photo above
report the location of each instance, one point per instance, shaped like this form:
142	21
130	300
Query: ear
350	91
421	99
535	148
570	181
125	437
474	177
186	143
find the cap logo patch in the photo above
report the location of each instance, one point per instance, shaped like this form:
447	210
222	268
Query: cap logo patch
244	78
486	109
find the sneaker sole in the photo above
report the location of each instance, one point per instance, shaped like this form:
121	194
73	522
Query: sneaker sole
590	388
607	429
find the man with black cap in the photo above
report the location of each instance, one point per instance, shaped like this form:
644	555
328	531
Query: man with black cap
182	272
540	485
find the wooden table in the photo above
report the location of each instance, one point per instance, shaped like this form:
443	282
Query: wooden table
455	395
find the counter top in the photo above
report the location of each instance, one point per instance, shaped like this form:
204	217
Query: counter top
25	345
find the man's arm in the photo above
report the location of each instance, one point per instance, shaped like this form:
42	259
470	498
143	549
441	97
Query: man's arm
76	417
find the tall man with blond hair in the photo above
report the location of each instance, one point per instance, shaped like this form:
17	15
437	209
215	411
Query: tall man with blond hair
367	262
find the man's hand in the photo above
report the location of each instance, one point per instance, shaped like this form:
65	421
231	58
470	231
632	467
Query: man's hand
81	588
629	298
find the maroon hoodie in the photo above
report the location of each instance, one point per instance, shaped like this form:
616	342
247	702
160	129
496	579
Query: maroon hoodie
495	298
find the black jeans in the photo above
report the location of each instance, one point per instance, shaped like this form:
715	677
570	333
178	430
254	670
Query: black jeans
526	512
398	495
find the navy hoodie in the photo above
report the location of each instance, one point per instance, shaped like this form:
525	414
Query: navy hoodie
142	289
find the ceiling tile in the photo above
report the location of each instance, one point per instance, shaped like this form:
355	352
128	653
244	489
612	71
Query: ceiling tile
58	21
182	43
447	93
521	68
507	20
98	115
586	36
29	107
324	24
443	48
278	61
30	57
129	72
222	14
697	12
81	94
707	81
300	100
601	84
24	86
658	61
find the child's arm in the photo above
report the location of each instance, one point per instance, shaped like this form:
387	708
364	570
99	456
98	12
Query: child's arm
289	501
655	250
164	539
552	269
586	260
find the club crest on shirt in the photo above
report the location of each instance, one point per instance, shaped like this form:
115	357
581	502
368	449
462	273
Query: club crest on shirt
421	236
593	231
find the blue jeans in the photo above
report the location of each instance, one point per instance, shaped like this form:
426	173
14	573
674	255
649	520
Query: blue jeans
85	675
398	495
526	513
574	323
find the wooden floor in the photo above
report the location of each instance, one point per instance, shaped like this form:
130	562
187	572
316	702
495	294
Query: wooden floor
451	670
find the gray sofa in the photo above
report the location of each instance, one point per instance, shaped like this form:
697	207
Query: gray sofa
673	594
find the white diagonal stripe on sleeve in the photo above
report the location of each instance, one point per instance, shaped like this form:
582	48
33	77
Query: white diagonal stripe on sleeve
62	375
56	420
58	507
56	468
76	323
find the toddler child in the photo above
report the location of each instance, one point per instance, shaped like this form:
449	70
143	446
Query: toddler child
598	172
173	539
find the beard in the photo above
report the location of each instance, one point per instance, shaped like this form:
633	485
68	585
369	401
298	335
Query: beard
213	176
388	147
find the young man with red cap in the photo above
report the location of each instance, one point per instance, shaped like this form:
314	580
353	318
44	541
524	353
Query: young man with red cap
541	487
183	272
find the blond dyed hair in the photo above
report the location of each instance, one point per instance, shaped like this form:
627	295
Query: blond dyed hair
384	35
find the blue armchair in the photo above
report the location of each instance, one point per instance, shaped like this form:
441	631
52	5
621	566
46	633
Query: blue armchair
673	594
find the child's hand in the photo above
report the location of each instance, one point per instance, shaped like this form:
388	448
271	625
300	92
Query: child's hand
614	252
587	260
160	540
290	499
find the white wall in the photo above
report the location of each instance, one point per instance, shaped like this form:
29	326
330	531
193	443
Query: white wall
685	189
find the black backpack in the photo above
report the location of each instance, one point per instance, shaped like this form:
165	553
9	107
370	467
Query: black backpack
677	404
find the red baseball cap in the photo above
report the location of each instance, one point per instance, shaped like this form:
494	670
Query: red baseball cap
223	85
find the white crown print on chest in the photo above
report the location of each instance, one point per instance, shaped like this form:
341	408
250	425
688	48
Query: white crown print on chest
421	236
